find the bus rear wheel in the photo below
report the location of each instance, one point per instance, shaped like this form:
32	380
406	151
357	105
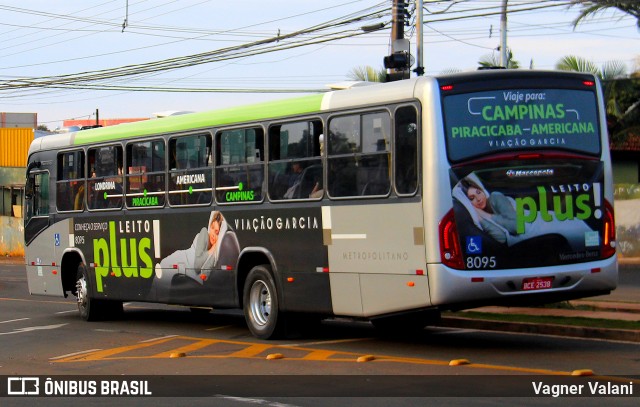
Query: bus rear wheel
260	304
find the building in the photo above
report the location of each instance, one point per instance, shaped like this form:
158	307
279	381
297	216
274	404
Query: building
100	122
10	120
17	131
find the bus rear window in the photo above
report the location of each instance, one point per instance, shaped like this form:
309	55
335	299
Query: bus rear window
498	121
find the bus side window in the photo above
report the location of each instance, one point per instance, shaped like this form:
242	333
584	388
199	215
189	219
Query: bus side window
295	163
406	150
190	170
344	141
105	178
239	173
359	155
70	185
145	174
374	175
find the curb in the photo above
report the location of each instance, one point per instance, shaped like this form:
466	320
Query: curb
626	335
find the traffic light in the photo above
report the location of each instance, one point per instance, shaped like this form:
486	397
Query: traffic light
397	60
397	65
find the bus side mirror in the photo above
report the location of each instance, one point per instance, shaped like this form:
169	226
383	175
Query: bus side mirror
28	189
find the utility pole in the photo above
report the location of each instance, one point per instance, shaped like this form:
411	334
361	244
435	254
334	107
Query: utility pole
503	35
420	39
97	117
397	64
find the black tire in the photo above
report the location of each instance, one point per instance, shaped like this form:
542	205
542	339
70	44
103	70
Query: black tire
92	309
260	304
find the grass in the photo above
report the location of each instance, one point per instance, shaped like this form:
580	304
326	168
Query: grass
544	319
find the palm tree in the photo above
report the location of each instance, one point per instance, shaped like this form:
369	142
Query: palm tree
610	70
367	74
492	61
608	73
593	7
620	95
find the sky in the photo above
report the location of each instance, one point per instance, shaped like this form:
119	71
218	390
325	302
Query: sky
41	39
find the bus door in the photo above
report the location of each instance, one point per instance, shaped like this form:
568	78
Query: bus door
40	240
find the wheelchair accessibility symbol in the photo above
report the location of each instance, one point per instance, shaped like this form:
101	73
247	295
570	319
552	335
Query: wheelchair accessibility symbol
473	245
56	239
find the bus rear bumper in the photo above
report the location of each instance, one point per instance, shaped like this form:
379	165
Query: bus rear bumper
460	289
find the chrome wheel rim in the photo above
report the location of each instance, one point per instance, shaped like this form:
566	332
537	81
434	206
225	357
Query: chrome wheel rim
81	289
260	300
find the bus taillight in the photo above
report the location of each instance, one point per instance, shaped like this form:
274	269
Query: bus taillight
450	252
609	232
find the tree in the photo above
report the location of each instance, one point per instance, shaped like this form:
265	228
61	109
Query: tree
610	70
620	95
367	74
42	127
592	7
608	73
492	61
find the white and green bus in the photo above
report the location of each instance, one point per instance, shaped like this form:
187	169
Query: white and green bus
390	202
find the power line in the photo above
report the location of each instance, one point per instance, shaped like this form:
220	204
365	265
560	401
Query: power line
131	29
325	33
272	44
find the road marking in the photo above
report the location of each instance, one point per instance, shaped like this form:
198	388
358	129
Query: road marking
250	351
68	355
13	320
187	348
254	350
107	354
218	328
159	339
32	328
67	312
259	402
328	342
39	301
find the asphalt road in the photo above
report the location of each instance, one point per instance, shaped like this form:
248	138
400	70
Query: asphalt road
628	284
215	356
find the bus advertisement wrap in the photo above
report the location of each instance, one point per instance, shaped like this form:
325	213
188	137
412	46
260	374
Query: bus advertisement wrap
504	120
264	208
529	216
157	258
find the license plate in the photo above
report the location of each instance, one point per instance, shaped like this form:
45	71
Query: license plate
536	283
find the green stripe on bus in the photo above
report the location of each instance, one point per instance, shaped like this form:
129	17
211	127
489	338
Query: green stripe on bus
201	120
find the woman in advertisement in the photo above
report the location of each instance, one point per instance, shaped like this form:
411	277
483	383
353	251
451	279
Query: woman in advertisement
495	214
212	247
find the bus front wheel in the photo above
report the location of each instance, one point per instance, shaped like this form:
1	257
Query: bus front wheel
92	309
260	304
